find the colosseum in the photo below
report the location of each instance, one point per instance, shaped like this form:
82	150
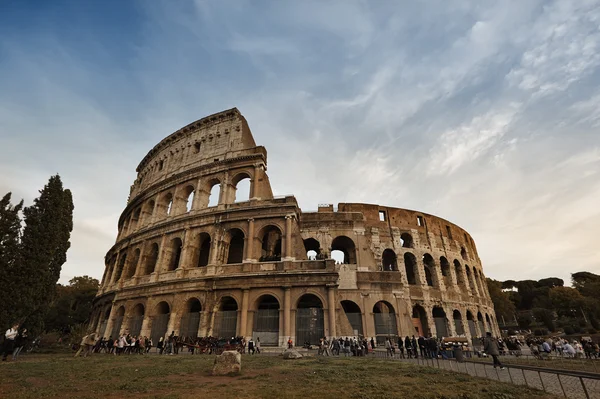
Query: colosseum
192	257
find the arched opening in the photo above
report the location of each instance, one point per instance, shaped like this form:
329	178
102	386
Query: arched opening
242	187
480	281
226	318
121	266
215	193
389	260
148	212
203	249
133	264
235	254
460	277
310	321
118	322
430	276
151	259
446	274
167	204
313	249
385	322
463	253
481	324
354	316
266	321
470	279
189	194
270	239
347	247
190	321
135	218
176	248
104	321
406	240
410	266
137	318
440	321
471	323
488	323
419	320
458	323
160	321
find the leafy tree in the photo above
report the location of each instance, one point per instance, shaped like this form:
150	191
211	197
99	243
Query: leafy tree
567	301
72	304
551	282
10	233
502	304
588	284
524	320
546	316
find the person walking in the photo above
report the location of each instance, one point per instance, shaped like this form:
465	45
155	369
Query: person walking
89	344
20	342
9	341
490	346
251	346
257	345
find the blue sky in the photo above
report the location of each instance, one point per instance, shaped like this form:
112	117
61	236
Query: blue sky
485	113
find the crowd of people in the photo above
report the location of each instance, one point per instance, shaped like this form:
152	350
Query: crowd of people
558	346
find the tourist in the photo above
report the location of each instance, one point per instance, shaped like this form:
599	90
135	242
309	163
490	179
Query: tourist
401	347
408	345
110	345
20	342
414	345
251	346
372	343
388	347
490	346
257	345
81	345
290	343
335	347
149	344
161	346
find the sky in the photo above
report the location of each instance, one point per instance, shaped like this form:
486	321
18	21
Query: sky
485	113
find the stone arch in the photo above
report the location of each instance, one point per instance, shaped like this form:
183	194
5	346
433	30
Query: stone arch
176	247
389	260
189	192
166	204
488	323
135	218
354	316
471	323
458	323
118	321
136	320
151	259
214	192
104	316
225	324
235	246
410	267
270	237
407	240
131	269
440	321
266	320
384	317
204	245
481	324
463	253
460	277
313	248
121	265
242	184
419	319
148	211
190	321
346	246
446	273
160	321
310	319
470	279
430	274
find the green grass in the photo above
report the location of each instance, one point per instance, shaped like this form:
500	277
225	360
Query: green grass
106	376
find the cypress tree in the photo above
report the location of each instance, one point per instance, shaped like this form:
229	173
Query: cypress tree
10	233
44	245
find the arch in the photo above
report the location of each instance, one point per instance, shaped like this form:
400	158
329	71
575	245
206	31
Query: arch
266	320
385	321
389	260
354	316
242	184
460	277
204	244
270	239
160	321
225	325
471	323
166	204
445	268
458	323
419	319
430	274
235	253
345	245
440	321
121	266
410	266
189	194
175	258
310	320
190	321
148	211
406	240
488	322
470	279
137	318
481	324
104	316
214	190
131	269
151	259
313	248
118	321
463	253
135	218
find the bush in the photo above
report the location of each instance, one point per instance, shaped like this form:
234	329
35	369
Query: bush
569	330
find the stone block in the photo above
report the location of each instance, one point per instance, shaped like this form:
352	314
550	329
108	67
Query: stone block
230	362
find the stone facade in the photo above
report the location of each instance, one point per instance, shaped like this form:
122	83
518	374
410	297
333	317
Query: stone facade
201	264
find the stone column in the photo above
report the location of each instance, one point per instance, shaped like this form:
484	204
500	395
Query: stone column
288	238
250	242
244	317
184	262
115	268
287	306
331	307
160	258
109	322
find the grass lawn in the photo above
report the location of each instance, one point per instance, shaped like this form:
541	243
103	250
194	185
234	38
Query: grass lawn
135	376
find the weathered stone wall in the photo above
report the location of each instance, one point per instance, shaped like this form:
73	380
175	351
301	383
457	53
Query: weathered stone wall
243	267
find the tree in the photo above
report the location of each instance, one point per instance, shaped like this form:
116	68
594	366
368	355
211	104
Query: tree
44	245
567	301
10	233
72	304
502	304
588	284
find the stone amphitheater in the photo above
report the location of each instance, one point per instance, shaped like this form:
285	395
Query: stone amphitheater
192	257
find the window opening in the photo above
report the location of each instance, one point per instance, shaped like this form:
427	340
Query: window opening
382	216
